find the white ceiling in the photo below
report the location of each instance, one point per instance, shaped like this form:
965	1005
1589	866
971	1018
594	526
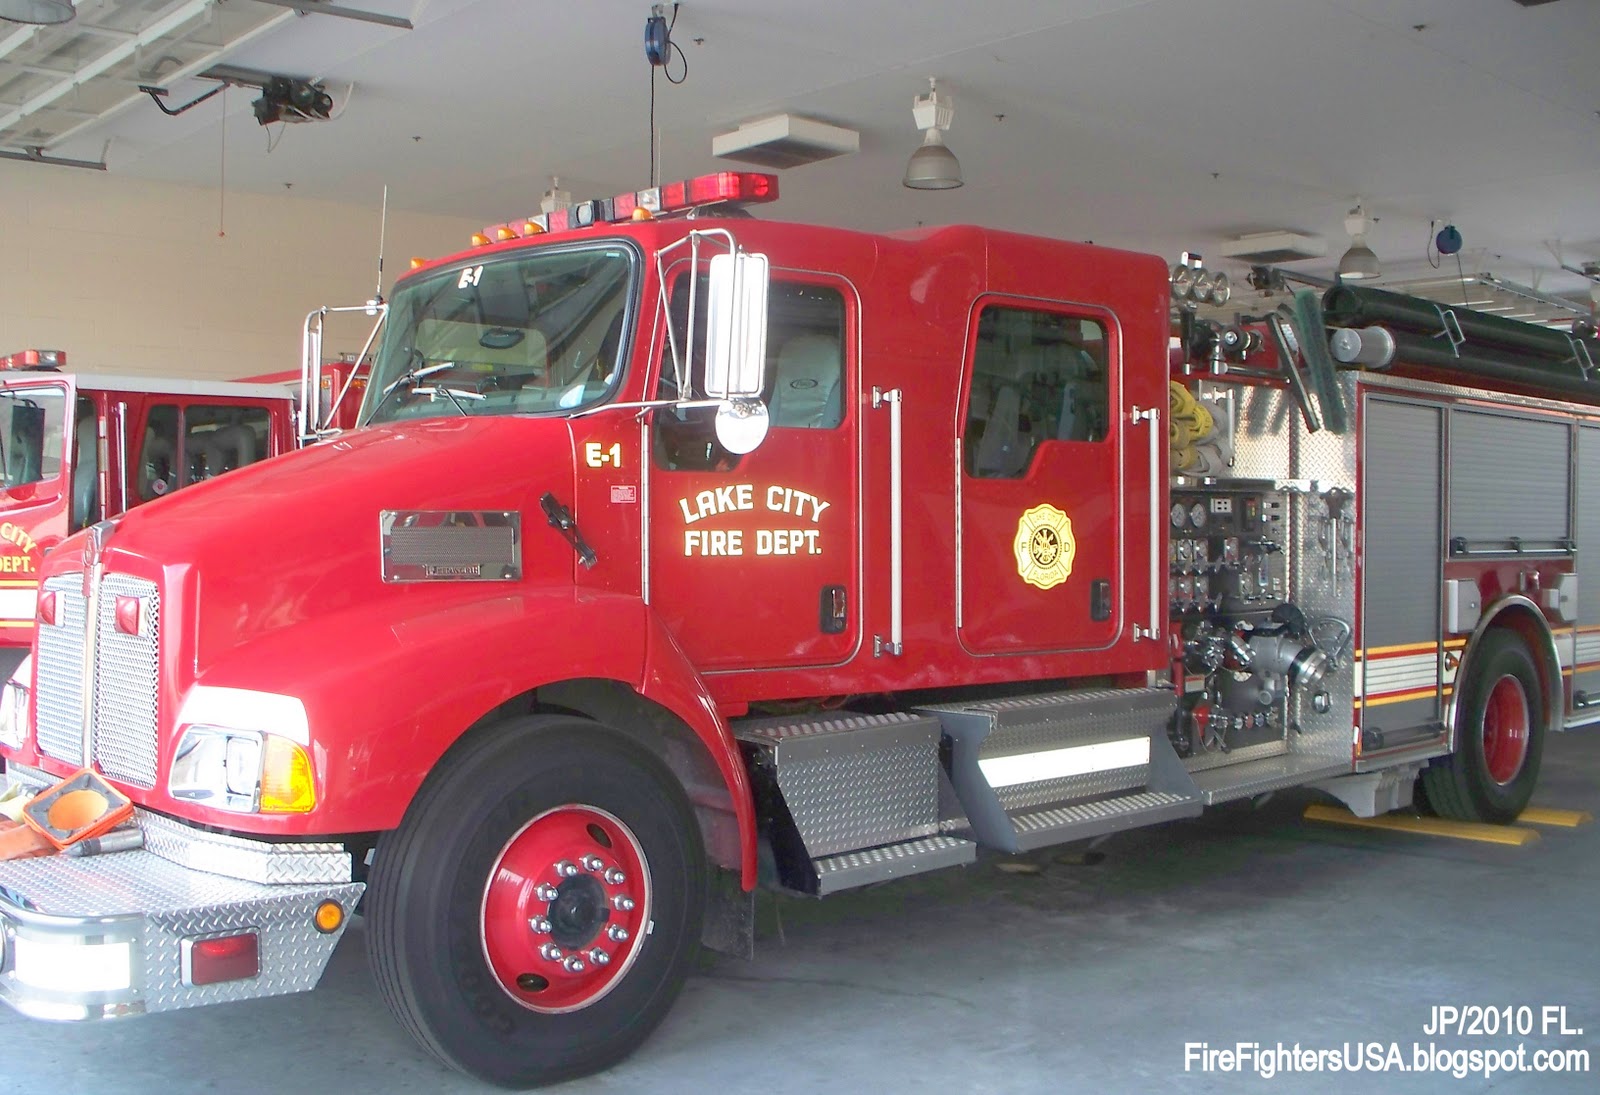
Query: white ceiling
1151	124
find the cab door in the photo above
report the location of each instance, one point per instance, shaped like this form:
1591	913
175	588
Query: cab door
36	471
754	559
184	439
1041	511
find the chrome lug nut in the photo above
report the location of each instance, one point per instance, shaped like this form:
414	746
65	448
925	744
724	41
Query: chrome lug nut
598	956
615	877
546	892
622	902
540	925
592	863
550	952
617	933
566	868
574	964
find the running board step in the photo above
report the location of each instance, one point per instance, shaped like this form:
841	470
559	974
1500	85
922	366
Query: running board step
845	799
1102	816
850	869
1036	770
1257	777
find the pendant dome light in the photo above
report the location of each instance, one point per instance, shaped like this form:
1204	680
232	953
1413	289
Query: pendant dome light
41	12
1359	263
933	166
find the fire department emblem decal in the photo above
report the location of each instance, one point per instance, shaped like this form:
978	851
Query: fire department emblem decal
1045	546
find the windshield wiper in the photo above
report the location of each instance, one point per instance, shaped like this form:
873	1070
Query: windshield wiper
410	376
452	394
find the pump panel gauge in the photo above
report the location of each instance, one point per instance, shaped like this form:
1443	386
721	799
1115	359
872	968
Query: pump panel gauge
1180	514
1197	515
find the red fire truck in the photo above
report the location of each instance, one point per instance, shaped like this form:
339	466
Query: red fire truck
339	386
77	448
681	553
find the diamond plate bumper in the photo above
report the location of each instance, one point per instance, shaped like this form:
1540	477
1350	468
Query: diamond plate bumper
103	937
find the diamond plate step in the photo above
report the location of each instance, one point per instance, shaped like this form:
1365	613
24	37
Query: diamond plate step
1107	815
851	869
1257	777
1059	758
832	785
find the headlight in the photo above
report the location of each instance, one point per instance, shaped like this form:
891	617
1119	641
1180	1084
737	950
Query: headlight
15	702
243	751
244	771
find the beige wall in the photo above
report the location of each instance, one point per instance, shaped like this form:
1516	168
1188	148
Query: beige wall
130	276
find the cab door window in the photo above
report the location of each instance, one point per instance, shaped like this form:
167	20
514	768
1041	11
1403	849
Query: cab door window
32	432
804	367
1036	376
187	444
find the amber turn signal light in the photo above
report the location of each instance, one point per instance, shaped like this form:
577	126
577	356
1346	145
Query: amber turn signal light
329	917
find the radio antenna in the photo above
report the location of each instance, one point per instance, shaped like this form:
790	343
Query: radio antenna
383	225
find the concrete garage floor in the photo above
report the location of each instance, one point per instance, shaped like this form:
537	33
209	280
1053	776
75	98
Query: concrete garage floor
1247	924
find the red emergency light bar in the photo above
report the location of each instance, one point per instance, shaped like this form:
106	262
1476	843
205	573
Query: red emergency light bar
34	359
722	186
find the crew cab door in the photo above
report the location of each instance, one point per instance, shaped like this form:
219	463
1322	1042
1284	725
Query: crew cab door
754	559
35	477
183	439
1041	512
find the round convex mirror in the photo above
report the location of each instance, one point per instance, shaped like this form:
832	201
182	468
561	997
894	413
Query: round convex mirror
741	424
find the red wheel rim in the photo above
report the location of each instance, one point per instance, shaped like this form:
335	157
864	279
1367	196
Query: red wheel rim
566	909
1505	729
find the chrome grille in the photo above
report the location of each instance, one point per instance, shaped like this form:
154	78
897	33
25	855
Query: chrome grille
125	696
125	693
59	702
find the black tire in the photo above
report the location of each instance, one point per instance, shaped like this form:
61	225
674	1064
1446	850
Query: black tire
1491	775
430	900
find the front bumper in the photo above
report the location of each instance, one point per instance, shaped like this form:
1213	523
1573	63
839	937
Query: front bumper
111	935
106	937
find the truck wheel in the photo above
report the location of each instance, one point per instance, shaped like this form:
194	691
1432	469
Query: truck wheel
535	914
1500	717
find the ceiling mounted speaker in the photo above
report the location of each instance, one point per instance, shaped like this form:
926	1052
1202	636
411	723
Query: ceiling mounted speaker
42	12
1270	248
785	140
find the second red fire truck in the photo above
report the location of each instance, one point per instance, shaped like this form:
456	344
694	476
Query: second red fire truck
679	555
77	448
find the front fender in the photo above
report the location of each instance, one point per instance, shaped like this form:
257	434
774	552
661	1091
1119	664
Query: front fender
385	698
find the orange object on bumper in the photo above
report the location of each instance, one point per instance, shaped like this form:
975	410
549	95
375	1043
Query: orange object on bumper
81	806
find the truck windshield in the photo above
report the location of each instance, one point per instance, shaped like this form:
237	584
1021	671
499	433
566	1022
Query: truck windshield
528	333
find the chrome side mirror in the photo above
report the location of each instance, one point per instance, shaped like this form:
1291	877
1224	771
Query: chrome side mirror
736	326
